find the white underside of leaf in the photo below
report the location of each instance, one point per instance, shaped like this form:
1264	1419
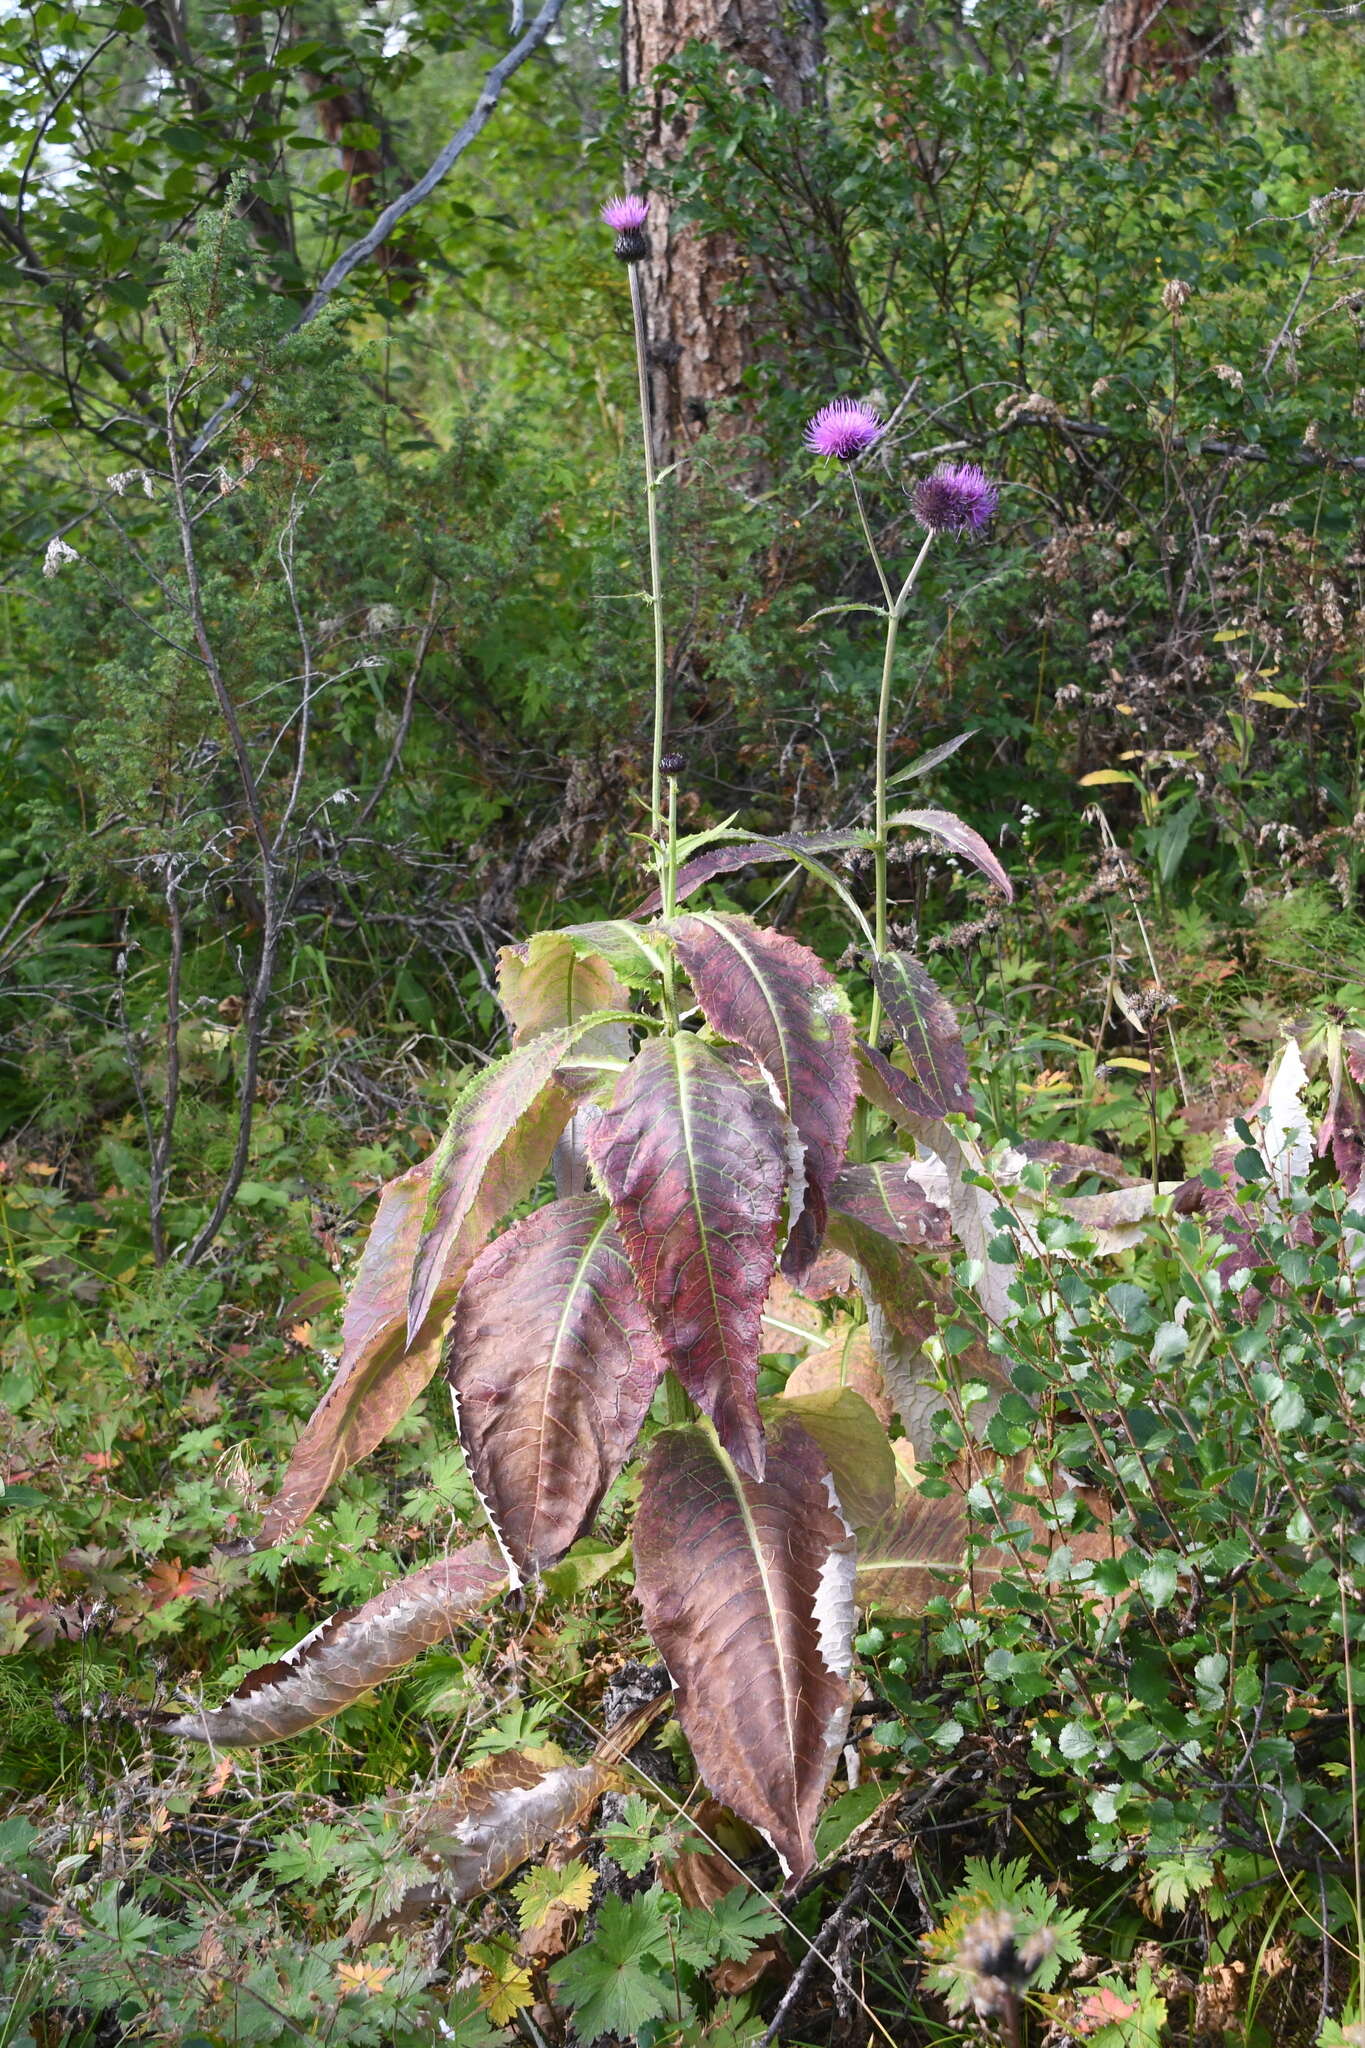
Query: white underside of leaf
514	1577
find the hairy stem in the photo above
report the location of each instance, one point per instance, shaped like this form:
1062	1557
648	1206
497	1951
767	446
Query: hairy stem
893	621
637	307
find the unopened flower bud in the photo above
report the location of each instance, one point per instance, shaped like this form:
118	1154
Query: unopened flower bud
672	764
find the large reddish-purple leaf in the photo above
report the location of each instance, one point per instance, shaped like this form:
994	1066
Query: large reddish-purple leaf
747	1589
922	1018
553	1365
892	1198
771	995
334	1664
496	1145
694	1162
961	839
380	1373
797	847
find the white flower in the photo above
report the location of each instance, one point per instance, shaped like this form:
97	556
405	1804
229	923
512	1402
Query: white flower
124	478
381	618
58	554
1229	375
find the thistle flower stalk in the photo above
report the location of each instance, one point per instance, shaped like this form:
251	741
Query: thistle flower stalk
637	307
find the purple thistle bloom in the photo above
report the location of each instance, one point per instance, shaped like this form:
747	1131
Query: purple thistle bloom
842	429
626	212
958	498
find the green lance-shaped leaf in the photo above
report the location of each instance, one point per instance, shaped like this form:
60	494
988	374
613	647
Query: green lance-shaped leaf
695	1163
747	1589
959	838
334	1664
923	1020
553	1364
497	1144
771	995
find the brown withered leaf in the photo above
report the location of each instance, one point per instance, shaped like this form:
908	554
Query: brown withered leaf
847	1360
746	1588
773	996
334	1664
477	1825
694	1162
553	1365
918	1551
856	1449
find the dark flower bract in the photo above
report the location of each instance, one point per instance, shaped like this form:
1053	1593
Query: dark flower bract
958	498
842	429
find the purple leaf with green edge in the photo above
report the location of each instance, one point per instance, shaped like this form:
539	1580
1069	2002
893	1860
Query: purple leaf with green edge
726	860
1343	1127
892	1199
496	1145
553	1365
746	1589
961	839
695	1164
380	1372
933	759
333	1665
772	996
922	1018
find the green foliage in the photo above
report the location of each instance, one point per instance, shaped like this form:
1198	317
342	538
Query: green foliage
637	1969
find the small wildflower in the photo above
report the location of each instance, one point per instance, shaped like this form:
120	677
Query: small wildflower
958	498
626	213
57	556
842	429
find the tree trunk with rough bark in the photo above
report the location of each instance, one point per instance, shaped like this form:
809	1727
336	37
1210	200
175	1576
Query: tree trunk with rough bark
1166	42
699	345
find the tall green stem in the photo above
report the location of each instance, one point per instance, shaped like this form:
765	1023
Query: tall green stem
637	307
895	614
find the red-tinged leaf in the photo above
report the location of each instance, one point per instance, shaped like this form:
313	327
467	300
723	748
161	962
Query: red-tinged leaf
798	847
549	982
694	1162
497	1144
918	1552
1342	1130
553	1364
893	1198
847	1360
771	995
379	1374
1073	1162
923	1020
746	1589
959	839
334	1664
933	759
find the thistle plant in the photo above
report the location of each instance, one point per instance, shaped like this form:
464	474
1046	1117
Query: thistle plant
693	1078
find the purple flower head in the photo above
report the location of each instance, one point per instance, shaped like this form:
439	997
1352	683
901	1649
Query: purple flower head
842	429
958	498
626	212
